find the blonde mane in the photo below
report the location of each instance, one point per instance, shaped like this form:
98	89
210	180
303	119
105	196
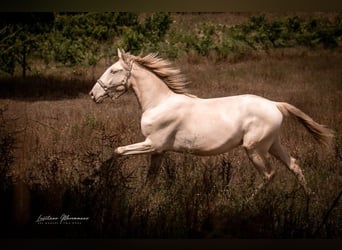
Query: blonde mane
162	68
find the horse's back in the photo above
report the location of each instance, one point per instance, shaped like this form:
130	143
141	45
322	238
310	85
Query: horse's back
240	107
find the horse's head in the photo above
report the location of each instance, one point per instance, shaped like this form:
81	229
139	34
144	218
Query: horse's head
114	81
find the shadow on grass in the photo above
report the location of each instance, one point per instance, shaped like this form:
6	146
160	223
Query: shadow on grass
36	88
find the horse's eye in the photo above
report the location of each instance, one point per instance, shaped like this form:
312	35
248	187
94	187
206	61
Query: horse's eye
113	71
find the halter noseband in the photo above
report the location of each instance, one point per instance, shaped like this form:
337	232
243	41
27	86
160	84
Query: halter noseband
122	83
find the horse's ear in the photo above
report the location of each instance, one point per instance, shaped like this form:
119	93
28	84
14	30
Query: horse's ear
122	54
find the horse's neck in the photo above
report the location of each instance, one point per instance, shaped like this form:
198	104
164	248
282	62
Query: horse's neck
149	89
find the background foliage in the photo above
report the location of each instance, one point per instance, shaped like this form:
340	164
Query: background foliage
86	38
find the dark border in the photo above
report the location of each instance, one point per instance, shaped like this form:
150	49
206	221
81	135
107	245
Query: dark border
171	244
172	5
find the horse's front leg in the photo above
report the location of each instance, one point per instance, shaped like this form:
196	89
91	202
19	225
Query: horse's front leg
137	148
141	148
154	169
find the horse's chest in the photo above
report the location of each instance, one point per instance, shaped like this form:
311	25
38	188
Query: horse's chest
158	124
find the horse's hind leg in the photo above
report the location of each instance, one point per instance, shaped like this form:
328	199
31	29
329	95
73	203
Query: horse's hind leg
280	153
258	158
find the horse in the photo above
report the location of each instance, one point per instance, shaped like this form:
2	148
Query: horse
174	120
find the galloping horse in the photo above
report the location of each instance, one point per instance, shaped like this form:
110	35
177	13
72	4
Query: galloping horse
174	120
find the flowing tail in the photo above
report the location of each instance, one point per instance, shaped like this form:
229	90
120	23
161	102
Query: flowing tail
321	133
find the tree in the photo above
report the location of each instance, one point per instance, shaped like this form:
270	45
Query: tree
21	34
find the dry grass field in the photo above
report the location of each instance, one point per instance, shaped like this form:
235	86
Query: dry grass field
62	159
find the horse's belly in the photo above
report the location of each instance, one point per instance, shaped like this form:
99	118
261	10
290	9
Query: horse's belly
207	142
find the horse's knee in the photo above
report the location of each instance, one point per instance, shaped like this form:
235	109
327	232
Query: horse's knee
118	151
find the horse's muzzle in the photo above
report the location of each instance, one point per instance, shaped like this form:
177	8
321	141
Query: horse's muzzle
92	95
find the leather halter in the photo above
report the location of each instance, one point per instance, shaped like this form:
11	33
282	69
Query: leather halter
123	82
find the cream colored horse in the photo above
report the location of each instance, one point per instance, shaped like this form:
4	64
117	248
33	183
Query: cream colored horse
173	120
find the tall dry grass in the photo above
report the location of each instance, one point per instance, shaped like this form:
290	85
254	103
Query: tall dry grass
64	159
